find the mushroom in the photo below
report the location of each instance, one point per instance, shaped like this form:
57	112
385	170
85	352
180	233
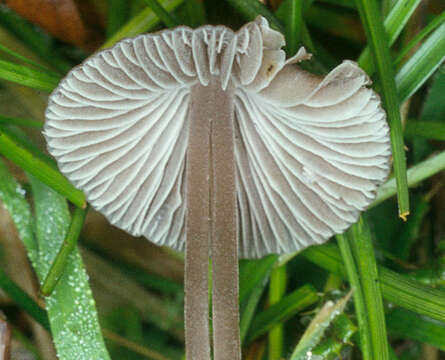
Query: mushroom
211	141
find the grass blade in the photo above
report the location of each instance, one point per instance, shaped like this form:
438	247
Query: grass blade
250	9
33	163
72	302
394	24
13	197
344	243
69	244
20	122
416	174
294	26
28	77
161	13
427	30
143	21
314	332
281	311
396	288
22	299
363	252
422	64
277	289
378	43
427	129
408	325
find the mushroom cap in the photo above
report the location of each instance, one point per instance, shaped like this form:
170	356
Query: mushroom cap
310	151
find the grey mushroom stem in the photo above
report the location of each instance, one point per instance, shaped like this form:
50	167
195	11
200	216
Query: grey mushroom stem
211	225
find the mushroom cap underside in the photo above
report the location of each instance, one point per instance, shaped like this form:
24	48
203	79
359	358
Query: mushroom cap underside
310	151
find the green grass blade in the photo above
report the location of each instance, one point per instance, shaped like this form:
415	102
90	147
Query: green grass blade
422	64
7	120
396	288
378	43
344	242
294	26
250	9
316	329
394	24
69	244
281	311
13	197
277	289
26	76
408	325
22	299
71	308
118	12
343	329
33	163
427	30
362	248
416	174
26	60
143	21
161	13
427	129
34	38
196	13
247	311
252	273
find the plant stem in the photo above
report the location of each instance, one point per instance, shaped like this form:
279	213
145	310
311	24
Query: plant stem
67	247
224	211
196	307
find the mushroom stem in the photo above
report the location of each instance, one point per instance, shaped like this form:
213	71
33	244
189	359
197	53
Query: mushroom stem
196	307
224	243
212	213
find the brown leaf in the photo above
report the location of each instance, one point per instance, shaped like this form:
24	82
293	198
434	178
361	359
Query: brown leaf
61	18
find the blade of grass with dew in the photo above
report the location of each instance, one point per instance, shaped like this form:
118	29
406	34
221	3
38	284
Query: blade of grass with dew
277	289
26	76
419	67
33	162
69	244
394	24
142	22
375	33
23	300
416	174
288	306
12	195
20	122
250	9
316	329
409	325
71	307
396	288
427	30
167	18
